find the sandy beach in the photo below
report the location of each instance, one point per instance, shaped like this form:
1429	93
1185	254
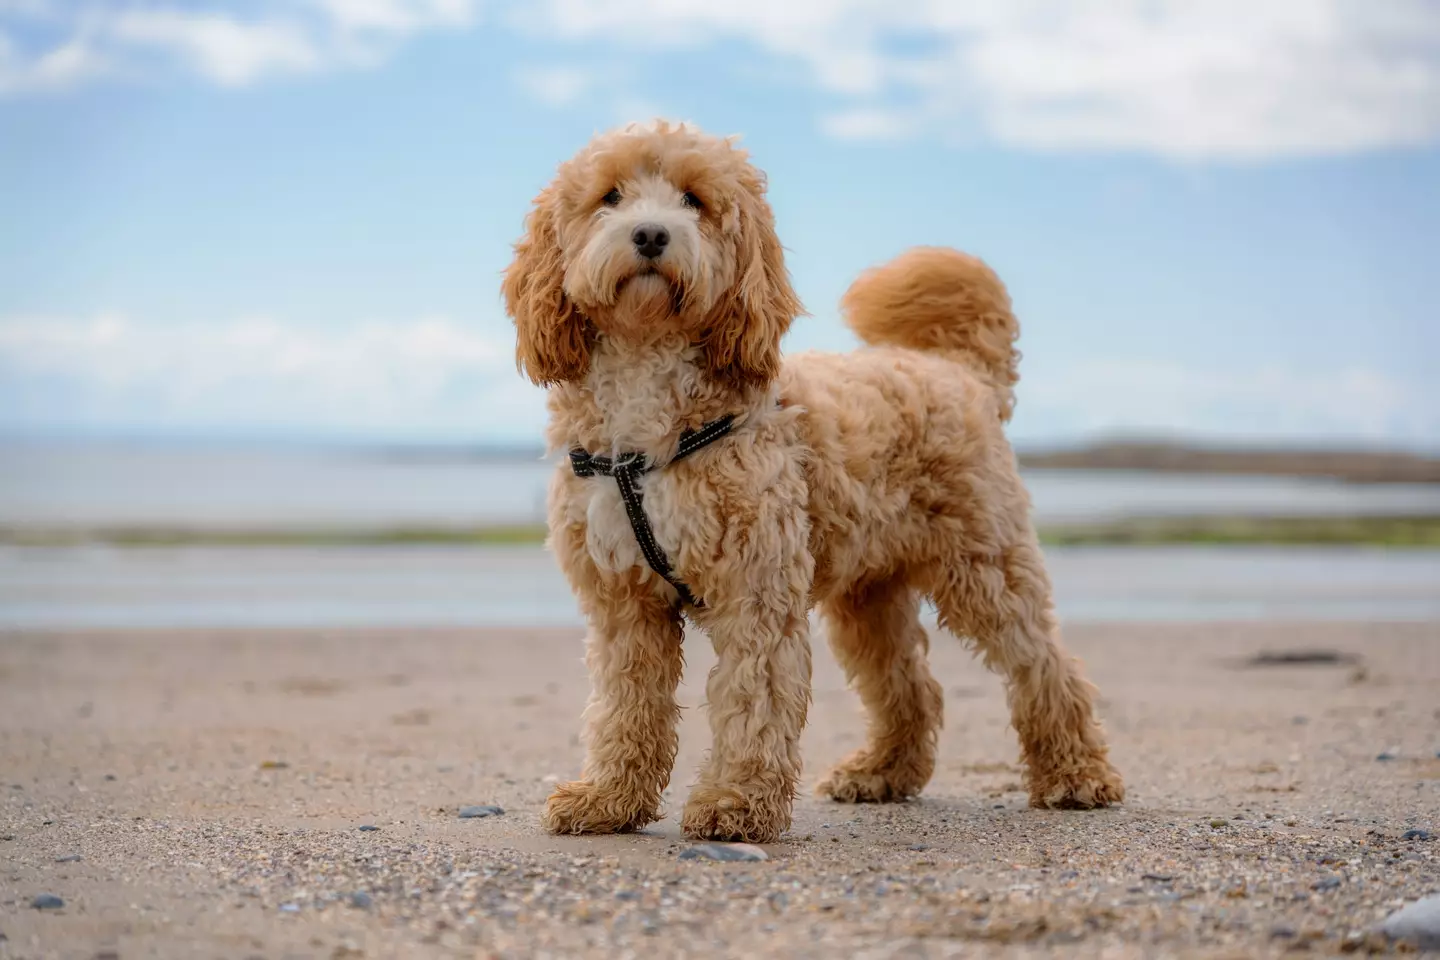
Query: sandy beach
202	793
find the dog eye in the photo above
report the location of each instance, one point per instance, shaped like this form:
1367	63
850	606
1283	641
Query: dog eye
692	201
612	198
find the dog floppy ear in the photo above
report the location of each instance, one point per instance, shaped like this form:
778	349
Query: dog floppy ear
552	337
743	330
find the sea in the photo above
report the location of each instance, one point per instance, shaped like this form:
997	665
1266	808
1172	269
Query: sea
276	486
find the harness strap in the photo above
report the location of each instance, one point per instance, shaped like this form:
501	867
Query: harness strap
630	466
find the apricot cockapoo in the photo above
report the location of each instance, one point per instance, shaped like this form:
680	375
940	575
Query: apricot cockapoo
650	294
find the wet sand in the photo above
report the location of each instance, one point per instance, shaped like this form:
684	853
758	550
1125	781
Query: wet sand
212	784
464	586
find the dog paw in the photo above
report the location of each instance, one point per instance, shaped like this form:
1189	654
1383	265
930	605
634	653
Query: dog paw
1096	785
859	786
585	807
860	779
717	813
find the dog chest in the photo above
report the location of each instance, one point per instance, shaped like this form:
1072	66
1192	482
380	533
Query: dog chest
609	537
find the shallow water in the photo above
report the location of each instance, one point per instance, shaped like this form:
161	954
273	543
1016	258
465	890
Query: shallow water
96	484
520	586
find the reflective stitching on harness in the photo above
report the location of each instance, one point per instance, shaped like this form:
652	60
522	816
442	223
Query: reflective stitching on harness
625	469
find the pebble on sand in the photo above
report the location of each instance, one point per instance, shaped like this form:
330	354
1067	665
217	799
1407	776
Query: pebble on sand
368	828
1417	923
481	810
47	901
361	900
728	852
1416	835
69	858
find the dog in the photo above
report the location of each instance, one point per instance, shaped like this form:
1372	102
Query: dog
649	294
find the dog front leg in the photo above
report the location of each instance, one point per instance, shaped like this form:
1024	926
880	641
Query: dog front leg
759	690
635	658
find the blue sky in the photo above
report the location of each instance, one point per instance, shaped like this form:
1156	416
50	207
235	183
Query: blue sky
289	217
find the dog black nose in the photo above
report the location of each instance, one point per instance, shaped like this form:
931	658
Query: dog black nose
650	240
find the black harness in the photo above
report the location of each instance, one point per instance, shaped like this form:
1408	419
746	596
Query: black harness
625	469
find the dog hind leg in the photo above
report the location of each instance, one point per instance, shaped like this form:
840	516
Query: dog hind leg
1003	603
876	634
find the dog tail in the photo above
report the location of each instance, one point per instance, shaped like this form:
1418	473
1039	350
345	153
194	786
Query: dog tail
943	301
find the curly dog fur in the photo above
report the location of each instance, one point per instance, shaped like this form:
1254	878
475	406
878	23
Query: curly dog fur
859	483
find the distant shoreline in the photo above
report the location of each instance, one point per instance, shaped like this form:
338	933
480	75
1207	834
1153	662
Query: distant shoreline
1353	465
1378	531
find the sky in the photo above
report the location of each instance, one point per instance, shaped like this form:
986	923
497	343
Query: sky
288	218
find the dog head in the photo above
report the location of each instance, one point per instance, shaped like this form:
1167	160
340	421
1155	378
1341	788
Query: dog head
651	230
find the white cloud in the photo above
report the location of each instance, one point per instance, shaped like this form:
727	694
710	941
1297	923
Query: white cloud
869	123
1190	79
1140	396
555	86
226	43
63	66
427	378
228	51
1230	79
398	16
436	378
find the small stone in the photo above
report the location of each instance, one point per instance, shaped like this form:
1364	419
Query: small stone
1417	923
728	852
289	908
1219	824
918	847
69	858
1416	835
1282	933
361	900
481	810
110	776
628	896
368	828
1157	877
274	765
1326	883
1289	658
1385	756
47	901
